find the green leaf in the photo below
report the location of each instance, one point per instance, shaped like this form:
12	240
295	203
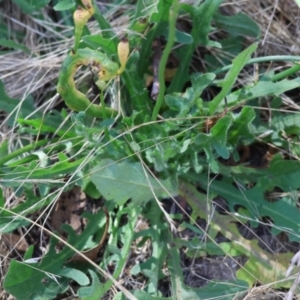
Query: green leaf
97	40
213	164
240	129
29	6
2	202
210	291
120	257
64	5
237	65
284	174
29	253
9	222
217	140
92	292
284	121
149	268
90	190
121	181
239	24
178	103
283	212
48	124
263	265
11	44
157	10
44	280
265	271
4	148
74	274
140	294
10	105
231	45
261	89
201	81
26	282
33	171
186	104
180	36
201	139
183	37
103	23
201	18
219	136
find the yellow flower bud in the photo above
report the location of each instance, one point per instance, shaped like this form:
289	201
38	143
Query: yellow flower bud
88	6
123	53
81	16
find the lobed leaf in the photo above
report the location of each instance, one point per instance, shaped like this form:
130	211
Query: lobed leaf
45	279
120	181
219	136
263	266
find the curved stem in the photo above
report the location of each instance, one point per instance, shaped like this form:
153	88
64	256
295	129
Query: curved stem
164	58
66	87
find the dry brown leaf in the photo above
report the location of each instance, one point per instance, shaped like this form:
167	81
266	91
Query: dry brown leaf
14	241
68	209
92	253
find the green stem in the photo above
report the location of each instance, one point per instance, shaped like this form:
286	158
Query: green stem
25	149
48	150
66	87
290	71
164	58
124	253
31	147
262	59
